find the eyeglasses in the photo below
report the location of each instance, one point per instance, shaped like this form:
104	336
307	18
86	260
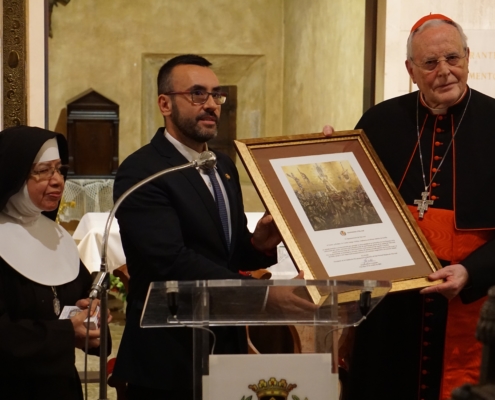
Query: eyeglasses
46	173
201	96
430	65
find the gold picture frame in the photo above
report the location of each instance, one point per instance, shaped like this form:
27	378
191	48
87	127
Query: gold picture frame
274	165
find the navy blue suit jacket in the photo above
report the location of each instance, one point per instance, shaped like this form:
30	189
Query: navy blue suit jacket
171	230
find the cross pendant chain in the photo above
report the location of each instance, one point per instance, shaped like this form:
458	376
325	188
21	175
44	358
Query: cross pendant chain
56	302
423	204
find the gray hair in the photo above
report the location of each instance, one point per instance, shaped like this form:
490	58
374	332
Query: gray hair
435	22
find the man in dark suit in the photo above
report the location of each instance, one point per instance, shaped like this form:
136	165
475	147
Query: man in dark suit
171	229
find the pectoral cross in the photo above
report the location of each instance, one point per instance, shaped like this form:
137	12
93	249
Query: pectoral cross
423	204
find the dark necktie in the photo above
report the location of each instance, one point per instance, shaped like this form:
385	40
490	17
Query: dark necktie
222	209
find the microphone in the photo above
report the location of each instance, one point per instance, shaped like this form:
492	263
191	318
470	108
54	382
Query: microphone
365	297
172	291
364	302
98	284
206	160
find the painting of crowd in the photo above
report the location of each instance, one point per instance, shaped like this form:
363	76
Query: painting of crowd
331	195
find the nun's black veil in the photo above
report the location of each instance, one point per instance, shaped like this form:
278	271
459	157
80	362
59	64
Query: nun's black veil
18	148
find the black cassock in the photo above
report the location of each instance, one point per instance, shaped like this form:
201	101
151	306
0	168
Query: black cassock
394	356
37	352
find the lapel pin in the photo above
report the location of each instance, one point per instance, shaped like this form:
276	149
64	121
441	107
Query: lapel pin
227	176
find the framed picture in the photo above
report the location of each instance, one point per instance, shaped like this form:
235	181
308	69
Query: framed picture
339	213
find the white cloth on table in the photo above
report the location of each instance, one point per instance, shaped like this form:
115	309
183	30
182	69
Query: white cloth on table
89	235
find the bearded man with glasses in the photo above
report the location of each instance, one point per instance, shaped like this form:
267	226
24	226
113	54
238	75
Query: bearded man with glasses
187	225
437	145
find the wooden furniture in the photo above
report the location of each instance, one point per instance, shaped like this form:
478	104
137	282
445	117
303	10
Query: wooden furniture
93	136
227	125
272	339
282	339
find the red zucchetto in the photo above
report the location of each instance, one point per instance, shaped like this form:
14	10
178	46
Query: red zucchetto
429	18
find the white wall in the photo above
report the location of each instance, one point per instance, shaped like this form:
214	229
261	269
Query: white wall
477	17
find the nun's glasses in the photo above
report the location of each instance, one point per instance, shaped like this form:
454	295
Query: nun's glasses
46	173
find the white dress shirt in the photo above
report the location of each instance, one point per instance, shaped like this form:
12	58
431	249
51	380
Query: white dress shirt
191	155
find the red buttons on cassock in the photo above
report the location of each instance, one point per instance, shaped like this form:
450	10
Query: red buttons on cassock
424	372
438	130
440	117
436	158
435	197
434	184
438	144
434	170
427	329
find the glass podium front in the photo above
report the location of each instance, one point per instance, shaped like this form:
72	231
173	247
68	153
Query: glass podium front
319	309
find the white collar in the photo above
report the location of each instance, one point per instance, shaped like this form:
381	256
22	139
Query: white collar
21	207
40	250
187	152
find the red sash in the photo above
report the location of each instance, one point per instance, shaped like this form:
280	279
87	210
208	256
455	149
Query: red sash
462	352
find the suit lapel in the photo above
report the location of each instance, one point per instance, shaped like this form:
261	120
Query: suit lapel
175	158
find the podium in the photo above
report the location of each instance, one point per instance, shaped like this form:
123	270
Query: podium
319	308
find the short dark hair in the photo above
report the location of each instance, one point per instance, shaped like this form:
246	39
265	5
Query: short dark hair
163	80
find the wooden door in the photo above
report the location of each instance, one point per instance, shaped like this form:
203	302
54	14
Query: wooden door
227	125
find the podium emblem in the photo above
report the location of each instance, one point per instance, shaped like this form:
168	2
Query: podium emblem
272	390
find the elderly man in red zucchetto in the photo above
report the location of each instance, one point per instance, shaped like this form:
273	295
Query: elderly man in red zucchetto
437	145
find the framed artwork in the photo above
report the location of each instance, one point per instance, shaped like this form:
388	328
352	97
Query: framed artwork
339	213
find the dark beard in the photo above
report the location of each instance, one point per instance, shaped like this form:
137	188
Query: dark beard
189	127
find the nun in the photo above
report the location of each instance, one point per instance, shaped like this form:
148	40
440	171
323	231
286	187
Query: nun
40	271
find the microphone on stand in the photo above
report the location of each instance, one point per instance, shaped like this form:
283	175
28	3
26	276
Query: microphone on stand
98	284
365	297
172	290
206	160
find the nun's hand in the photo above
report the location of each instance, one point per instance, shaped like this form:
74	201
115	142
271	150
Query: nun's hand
80	331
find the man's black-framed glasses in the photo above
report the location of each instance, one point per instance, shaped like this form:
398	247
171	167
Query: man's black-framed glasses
431	64
199	96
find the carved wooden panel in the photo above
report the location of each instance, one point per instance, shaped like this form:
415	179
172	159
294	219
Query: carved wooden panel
93	136
14	63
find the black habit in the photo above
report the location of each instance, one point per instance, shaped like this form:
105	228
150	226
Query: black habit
37	350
